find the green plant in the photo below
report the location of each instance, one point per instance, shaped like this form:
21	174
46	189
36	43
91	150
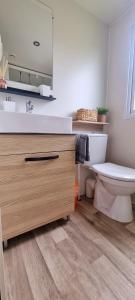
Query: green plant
102	110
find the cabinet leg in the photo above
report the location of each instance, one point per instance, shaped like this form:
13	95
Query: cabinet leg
68	218
5	244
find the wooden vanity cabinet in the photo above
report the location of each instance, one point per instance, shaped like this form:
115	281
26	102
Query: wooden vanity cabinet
36	180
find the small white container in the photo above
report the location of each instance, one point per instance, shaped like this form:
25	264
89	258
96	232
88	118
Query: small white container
45	90
9	106
90	188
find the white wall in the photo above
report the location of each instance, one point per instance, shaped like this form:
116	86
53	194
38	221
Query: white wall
122	131
80	51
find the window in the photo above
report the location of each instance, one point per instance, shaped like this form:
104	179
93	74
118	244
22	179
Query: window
130	105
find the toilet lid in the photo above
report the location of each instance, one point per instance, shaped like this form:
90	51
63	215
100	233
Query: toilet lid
115	171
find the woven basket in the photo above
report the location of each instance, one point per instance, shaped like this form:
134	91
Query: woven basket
87	115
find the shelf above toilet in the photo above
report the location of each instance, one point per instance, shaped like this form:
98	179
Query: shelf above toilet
89	126
89	123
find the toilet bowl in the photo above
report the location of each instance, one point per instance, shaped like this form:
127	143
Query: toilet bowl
114	187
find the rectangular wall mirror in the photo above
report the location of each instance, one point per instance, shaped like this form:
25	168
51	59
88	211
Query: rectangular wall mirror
27	37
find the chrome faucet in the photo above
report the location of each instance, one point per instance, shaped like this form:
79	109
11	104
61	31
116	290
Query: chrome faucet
29	106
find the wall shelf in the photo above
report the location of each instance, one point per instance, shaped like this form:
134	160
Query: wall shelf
89	123
25	93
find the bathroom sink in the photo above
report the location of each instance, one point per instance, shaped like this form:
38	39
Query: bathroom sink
11	122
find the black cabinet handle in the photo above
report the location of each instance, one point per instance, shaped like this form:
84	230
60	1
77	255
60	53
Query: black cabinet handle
41	158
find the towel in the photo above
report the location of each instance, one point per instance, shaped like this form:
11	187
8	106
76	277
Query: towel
82	149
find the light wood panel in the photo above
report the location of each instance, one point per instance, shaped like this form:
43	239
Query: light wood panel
87	128
28	143
35	193
2	267
89	123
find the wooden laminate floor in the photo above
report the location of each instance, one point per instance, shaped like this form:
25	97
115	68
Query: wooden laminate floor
90	257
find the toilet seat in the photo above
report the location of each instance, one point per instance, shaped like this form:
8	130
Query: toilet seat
115	171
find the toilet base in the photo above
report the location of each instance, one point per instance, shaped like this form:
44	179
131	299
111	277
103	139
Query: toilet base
120	210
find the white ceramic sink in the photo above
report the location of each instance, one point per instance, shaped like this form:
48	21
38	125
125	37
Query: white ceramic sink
11	122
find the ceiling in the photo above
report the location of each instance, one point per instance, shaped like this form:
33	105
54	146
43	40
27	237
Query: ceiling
106	10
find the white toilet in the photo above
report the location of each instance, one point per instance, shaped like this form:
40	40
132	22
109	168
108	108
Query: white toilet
114	187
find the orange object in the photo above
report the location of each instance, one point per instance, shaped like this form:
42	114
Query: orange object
76	193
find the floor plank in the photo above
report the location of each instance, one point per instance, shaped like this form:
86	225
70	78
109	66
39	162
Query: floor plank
15	269
59	234
87	209
40	280
94	289
62	273
87	247
131	227
117	234
120	286
90	257
124	264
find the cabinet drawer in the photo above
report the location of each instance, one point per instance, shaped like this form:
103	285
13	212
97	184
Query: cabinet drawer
35	190
28	143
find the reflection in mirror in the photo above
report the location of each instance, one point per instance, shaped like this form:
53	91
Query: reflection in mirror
27	41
